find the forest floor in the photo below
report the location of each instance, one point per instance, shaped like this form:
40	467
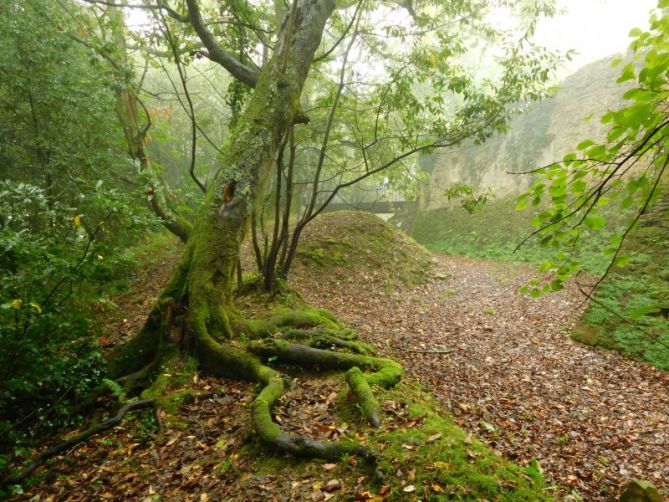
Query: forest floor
504	365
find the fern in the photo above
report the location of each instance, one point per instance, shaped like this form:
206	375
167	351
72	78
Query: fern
116	389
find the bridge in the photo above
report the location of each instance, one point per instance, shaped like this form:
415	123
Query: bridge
377	207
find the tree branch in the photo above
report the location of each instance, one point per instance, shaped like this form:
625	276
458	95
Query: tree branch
217	53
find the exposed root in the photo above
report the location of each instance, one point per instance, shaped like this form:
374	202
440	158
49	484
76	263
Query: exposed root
135	382
360	388
79	438
285	320
323	339
270	432
224	357
227	360
386	372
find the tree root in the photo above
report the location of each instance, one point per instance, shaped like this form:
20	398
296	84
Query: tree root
360	388
270	432
227	360
386	372
322	339
79	438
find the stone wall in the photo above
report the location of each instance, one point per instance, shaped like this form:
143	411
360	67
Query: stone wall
545	133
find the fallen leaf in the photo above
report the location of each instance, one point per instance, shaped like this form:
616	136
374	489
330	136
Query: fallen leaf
434	437
332	485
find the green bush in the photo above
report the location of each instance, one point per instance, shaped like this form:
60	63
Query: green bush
53	267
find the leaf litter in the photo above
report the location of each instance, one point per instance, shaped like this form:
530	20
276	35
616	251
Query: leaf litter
501	363
504	365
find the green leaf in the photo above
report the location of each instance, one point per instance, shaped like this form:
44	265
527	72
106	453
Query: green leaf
594	221
621	261
628	73
638	313
585	144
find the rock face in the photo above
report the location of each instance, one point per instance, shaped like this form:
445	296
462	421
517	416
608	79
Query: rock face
545	133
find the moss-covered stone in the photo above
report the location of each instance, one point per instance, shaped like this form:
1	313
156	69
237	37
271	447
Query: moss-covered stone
640	491
586	333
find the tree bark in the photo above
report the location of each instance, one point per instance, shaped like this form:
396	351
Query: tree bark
208	270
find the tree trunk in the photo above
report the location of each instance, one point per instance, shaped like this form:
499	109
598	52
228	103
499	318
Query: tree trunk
247	163
199	298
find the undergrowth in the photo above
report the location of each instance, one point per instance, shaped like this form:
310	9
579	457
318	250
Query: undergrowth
54	363
495	231
631	307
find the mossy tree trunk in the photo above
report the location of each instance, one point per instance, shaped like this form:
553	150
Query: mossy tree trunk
196	311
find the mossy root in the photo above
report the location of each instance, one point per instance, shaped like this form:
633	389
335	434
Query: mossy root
270	432
385	372
321	339
360	388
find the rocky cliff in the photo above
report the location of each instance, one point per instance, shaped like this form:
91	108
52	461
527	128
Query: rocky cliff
545	133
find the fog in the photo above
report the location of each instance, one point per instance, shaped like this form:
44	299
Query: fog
594	28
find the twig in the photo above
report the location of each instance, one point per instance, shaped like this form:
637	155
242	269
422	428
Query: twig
435	351
79	438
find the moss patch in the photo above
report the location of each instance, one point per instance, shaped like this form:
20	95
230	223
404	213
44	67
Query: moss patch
422	454
630	311
361	244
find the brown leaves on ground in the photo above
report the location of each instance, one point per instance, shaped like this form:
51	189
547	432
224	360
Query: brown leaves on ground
502	363
592	418
127	318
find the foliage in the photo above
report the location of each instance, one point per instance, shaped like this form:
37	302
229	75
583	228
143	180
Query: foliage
629	310
626	171
369	126
469	200
494	231
64	217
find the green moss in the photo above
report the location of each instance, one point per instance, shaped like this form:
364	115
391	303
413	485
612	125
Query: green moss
281	319
385	372
332	340
494	232
351	243
587	334
443	455
266	428
408	453
631	305
360	388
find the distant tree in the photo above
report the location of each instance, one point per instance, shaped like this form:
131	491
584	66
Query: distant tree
628	171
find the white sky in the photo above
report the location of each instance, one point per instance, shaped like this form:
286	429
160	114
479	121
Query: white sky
595	28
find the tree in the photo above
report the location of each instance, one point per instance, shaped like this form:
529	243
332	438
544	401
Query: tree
65	211
428	96
628	171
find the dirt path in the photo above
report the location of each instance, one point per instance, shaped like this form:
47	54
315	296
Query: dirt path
592	418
